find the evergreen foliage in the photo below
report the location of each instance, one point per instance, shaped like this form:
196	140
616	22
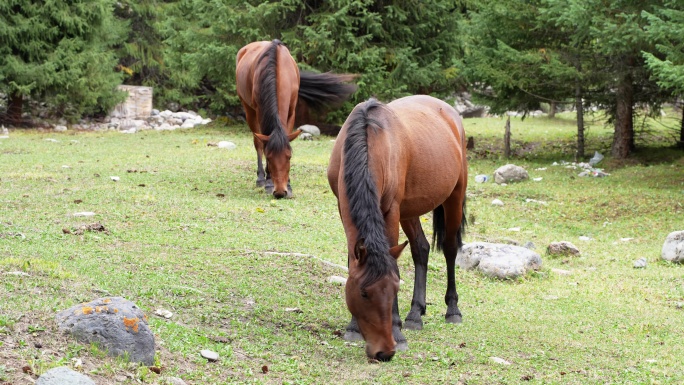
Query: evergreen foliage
59	52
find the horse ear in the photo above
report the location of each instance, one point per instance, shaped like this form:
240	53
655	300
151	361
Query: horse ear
395	251
294	135
360	251
262	138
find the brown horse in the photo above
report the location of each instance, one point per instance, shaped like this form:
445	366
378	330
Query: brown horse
390	164
269	85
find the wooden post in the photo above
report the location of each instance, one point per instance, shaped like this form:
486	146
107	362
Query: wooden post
507	139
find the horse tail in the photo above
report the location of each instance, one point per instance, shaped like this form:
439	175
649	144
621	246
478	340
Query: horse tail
439	228
267	97
320	90
362	194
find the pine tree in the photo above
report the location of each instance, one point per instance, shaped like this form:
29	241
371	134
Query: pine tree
59	51
666	29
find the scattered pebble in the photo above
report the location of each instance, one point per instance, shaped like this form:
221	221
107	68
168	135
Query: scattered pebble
337	279
293	310
65	166
84	214
227	145
640	263
561	271
115	178
499	360
163	313
626	239
585	238
51	140
17	273
209	355
514	229
497	202
537	179
540	169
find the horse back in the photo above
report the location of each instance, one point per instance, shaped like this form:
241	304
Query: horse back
429	135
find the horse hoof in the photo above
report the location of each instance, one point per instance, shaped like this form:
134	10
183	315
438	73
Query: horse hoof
269	189
401	346
261	182
352	336
413	325
454	319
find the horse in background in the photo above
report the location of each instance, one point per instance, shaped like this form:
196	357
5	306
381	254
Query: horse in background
270	85
391	164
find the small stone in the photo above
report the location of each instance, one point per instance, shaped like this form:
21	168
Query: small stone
640	263
497	202
562	248
174	381
227	145
84	214
60	128
585	238
337	279
163	313
537	179
499	360
63	375
209	355
516	229
293	310
114	178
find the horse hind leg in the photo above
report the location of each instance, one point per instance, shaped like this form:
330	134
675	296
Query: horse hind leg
453	216
250	116
420	249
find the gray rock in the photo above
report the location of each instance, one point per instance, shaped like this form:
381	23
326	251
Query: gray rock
305	136
209	355
673	248
188	123
155	112
227	145
63	376
497	202
337	279
60	128
640	263
174	381
115	324
498	260
310	129
510	173
562	248
183	115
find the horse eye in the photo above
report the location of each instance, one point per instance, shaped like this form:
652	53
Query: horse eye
364	294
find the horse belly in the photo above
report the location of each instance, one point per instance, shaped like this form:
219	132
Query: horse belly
430	180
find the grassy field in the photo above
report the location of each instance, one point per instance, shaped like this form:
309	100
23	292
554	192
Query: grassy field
187	231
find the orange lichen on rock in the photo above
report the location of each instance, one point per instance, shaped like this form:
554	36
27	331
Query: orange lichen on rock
101	309
131	323
87	310
107	300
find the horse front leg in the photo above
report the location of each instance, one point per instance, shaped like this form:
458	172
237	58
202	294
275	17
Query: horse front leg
420	249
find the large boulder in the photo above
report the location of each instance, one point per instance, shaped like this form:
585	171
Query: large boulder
673	248
510	173
115	324
498	260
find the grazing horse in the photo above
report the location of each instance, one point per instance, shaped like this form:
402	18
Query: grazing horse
269	85
390	164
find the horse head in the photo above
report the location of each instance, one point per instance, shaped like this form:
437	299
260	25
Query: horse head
278	152
370	300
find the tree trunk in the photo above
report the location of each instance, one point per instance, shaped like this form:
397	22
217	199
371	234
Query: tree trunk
623	138
580	121
15	107
552	110
507	139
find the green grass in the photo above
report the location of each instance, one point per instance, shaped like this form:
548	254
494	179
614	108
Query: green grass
187	231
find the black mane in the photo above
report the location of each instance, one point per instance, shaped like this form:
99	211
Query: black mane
268	101
364	202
